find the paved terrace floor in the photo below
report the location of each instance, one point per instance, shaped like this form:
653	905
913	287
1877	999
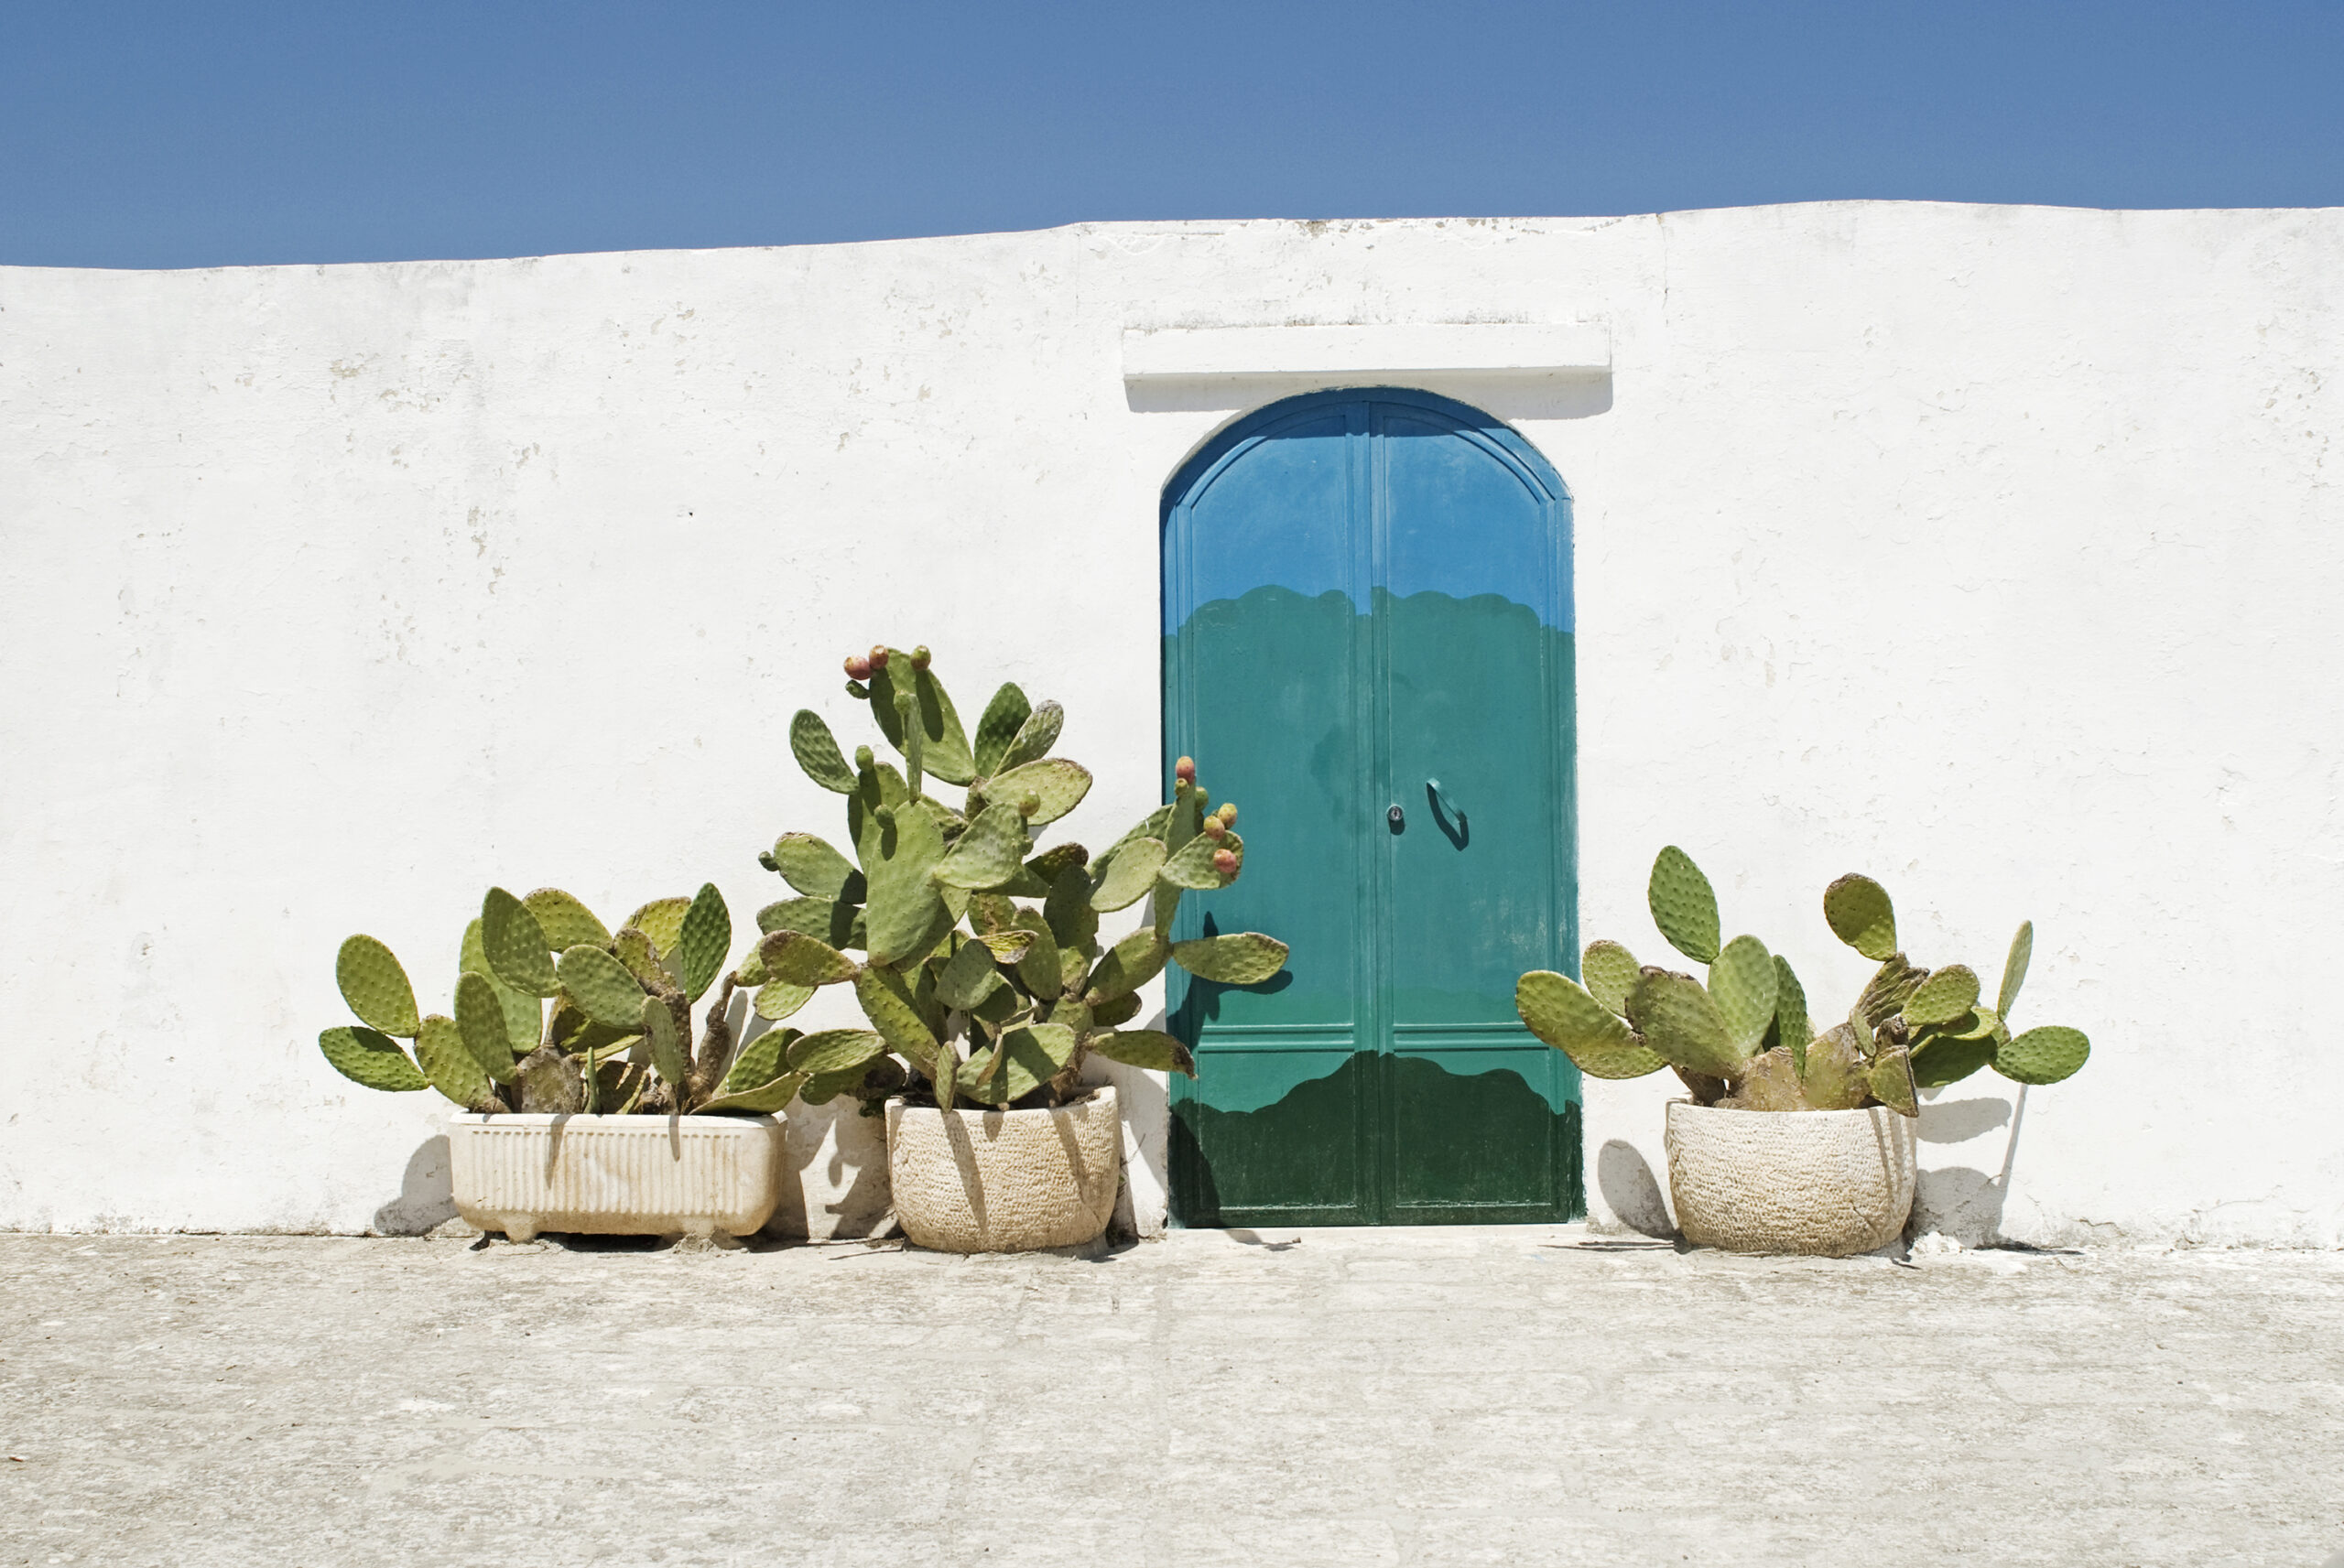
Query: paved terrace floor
1523	1395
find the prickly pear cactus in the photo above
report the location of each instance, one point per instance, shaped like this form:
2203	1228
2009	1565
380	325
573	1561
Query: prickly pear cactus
978	956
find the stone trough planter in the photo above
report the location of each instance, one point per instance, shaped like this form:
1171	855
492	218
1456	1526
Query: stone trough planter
1005	1181
700	1176
1830	1183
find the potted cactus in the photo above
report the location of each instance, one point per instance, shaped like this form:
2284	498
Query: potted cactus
977	960
1828	1167
597	1114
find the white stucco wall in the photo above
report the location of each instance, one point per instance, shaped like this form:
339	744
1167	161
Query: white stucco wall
1989	550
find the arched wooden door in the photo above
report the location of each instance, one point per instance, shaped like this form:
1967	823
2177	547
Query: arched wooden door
1367	646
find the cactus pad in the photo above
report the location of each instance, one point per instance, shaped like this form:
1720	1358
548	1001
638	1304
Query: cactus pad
840	925
601	986
705	938
1149	1048
777	1000
1032	743
814	869
1128	965
767	1100
1741	983
1127	873
1834	1075
1942	1059
369	1057
1192	865
898	856
449	1063
1239	959
757	1063
834	1051
1039	968
1572	1020
1891	1080
665	1039
1610	972
515	945
970	977
662	920
817	751
376	988
887	1003
1031	1057
989	853
525	1016
1677	1020
803	961
1886	993
2014	967
479	1018
933	737
1860	914
1770	1081
1683	905
2044	1055
1945	996
1055	784
565	921
1792	1029
1004	716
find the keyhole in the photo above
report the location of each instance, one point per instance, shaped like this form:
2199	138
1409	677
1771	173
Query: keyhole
1399	818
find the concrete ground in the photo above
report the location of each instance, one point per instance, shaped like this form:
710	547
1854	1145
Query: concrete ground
1523	1395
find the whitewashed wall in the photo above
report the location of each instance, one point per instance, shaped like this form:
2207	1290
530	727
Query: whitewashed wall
1990	550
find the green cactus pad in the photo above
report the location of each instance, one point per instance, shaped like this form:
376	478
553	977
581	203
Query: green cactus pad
1683	905
1191	865
706	937
989	853
898	855
752	972
1891	1080
1042	975
566	921
942	747
1009	946
1677	1020
1860	914
1004	716
2044	1055
757	1063
1034	1054
840	925
813	868
1114	1011
887	1003
1149	1048
1741	983
1886	992
1770	1081
665	1037
803	961
1153	826
766	1099
450	1064
636	950
1568	1017
1068	911
1031	744
1238	959
1610	972
662	920
1833	1079
817	751
777	1000
1947	995
1127	873
1128	966
602	986
515	945
525	1015
2014	967
1942	1059
970	977
480	1017
1057	785
376	988
370	1057
835	1051
1052	862
1791	1026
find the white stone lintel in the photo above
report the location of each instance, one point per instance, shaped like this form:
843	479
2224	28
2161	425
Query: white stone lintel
1480	348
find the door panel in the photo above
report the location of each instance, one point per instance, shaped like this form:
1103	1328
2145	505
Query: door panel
1364	593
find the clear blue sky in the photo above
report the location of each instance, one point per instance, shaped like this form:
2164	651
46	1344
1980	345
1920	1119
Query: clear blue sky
192	133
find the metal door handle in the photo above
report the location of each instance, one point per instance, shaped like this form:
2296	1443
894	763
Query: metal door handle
1440	798
1397	818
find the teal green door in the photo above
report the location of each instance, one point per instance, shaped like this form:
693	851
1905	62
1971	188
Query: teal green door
1368	648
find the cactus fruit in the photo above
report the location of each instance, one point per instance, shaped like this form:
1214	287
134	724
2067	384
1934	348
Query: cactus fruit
1744	1040
976	958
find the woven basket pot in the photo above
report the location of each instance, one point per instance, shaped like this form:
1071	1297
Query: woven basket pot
1005	1181
615	1175
1830	1183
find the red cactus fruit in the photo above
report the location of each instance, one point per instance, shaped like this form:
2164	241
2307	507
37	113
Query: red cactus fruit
1225	861
878	655
857	667
1184	770
920	657
1215	829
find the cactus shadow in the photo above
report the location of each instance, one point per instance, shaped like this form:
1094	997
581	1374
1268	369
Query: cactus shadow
1960	1202
1632	1192
427	1192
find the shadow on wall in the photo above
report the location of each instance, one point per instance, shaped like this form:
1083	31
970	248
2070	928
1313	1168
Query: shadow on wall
834	1178
427	1197
1632	1192
1510	398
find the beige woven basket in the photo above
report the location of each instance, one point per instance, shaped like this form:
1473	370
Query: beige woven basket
1005	1181
1830	1182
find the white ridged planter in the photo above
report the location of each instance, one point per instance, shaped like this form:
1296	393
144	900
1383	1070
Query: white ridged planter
1830	1183
615	1175
1005	1181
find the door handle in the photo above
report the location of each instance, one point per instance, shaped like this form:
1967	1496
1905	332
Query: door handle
1440	798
